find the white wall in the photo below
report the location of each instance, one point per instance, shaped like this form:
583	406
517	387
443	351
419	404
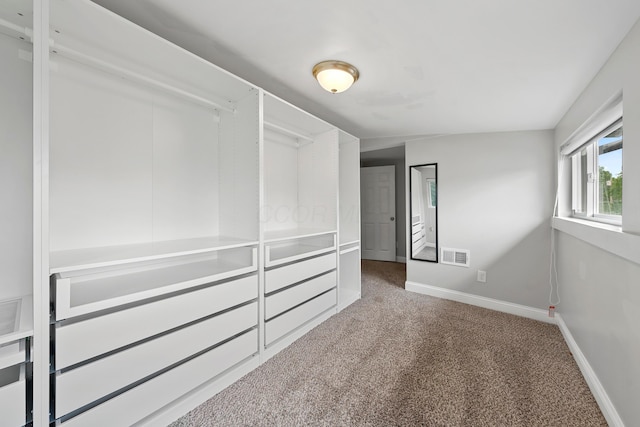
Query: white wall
601	291
495	197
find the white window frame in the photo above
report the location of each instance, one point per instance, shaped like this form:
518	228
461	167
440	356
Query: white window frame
590	148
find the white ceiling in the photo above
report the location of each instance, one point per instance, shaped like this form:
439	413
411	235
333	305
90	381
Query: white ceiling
427	66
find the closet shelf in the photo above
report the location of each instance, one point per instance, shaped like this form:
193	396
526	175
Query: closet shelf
109	256
16	319
294	233
349	242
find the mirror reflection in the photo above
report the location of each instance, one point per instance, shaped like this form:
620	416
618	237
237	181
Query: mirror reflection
424	212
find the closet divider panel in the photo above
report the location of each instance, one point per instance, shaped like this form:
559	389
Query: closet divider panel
349	189
349	221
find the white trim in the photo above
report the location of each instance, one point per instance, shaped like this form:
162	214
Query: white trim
607	237
401	259
598	391
490	303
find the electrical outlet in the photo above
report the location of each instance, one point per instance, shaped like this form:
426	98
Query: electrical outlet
482	276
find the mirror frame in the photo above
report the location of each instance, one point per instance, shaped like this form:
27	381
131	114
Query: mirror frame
411	190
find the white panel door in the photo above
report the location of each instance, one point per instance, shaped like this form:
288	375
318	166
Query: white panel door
378	207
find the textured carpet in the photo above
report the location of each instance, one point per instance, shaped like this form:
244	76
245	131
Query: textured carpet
396	358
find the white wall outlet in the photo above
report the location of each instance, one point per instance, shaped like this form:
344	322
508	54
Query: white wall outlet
482	276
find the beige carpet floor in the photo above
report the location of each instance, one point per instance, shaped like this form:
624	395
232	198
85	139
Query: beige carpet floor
395	358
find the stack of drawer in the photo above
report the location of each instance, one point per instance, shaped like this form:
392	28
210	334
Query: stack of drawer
14	372
296	293
117	366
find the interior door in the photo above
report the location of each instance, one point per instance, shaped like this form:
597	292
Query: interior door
378	193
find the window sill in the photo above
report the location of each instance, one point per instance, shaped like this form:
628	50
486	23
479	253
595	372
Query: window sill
607	237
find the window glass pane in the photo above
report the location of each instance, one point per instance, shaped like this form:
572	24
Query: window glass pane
610	173
584	174
433	199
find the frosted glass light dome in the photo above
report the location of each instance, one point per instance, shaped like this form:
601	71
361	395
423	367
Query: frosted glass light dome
335	76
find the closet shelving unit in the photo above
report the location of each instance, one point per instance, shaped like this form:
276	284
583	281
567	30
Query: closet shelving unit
349	220
153	221
300	222
16	215
171	226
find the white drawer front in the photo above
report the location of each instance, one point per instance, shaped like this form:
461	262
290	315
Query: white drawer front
12	354
89	338
282	325
282	301
139	402
289	274
90	382
13	403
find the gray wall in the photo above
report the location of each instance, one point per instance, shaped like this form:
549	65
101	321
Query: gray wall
401	213
600	291
495	197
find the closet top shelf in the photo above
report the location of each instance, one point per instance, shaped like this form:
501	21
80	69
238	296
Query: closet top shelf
88	33
294	233
16	319
81	259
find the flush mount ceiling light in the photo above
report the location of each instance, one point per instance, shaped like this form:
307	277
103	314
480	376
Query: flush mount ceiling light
335	76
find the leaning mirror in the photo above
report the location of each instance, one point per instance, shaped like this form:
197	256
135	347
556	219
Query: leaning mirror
423	182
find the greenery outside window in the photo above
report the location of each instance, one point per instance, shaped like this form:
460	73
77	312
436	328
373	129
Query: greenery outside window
596	176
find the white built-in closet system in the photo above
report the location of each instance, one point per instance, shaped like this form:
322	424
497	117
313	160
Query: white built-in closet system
166	225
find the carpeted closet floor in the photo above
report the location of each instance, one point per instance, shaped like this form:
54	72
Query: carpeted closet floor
396	358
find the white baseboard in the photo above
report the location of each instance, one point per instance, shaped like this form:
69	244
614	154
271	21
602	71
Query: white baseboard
401	259
598	391
490	303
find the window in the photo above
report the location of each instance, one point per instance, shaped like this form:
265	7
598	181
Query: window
596	176
433	193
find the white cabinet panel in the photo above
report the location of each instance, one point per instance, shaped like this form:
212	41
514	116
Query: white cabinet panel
89	338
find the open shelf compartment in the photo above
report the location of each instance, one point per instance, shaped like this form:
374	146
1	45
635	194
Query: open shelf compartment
300	170
284	251
150	154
